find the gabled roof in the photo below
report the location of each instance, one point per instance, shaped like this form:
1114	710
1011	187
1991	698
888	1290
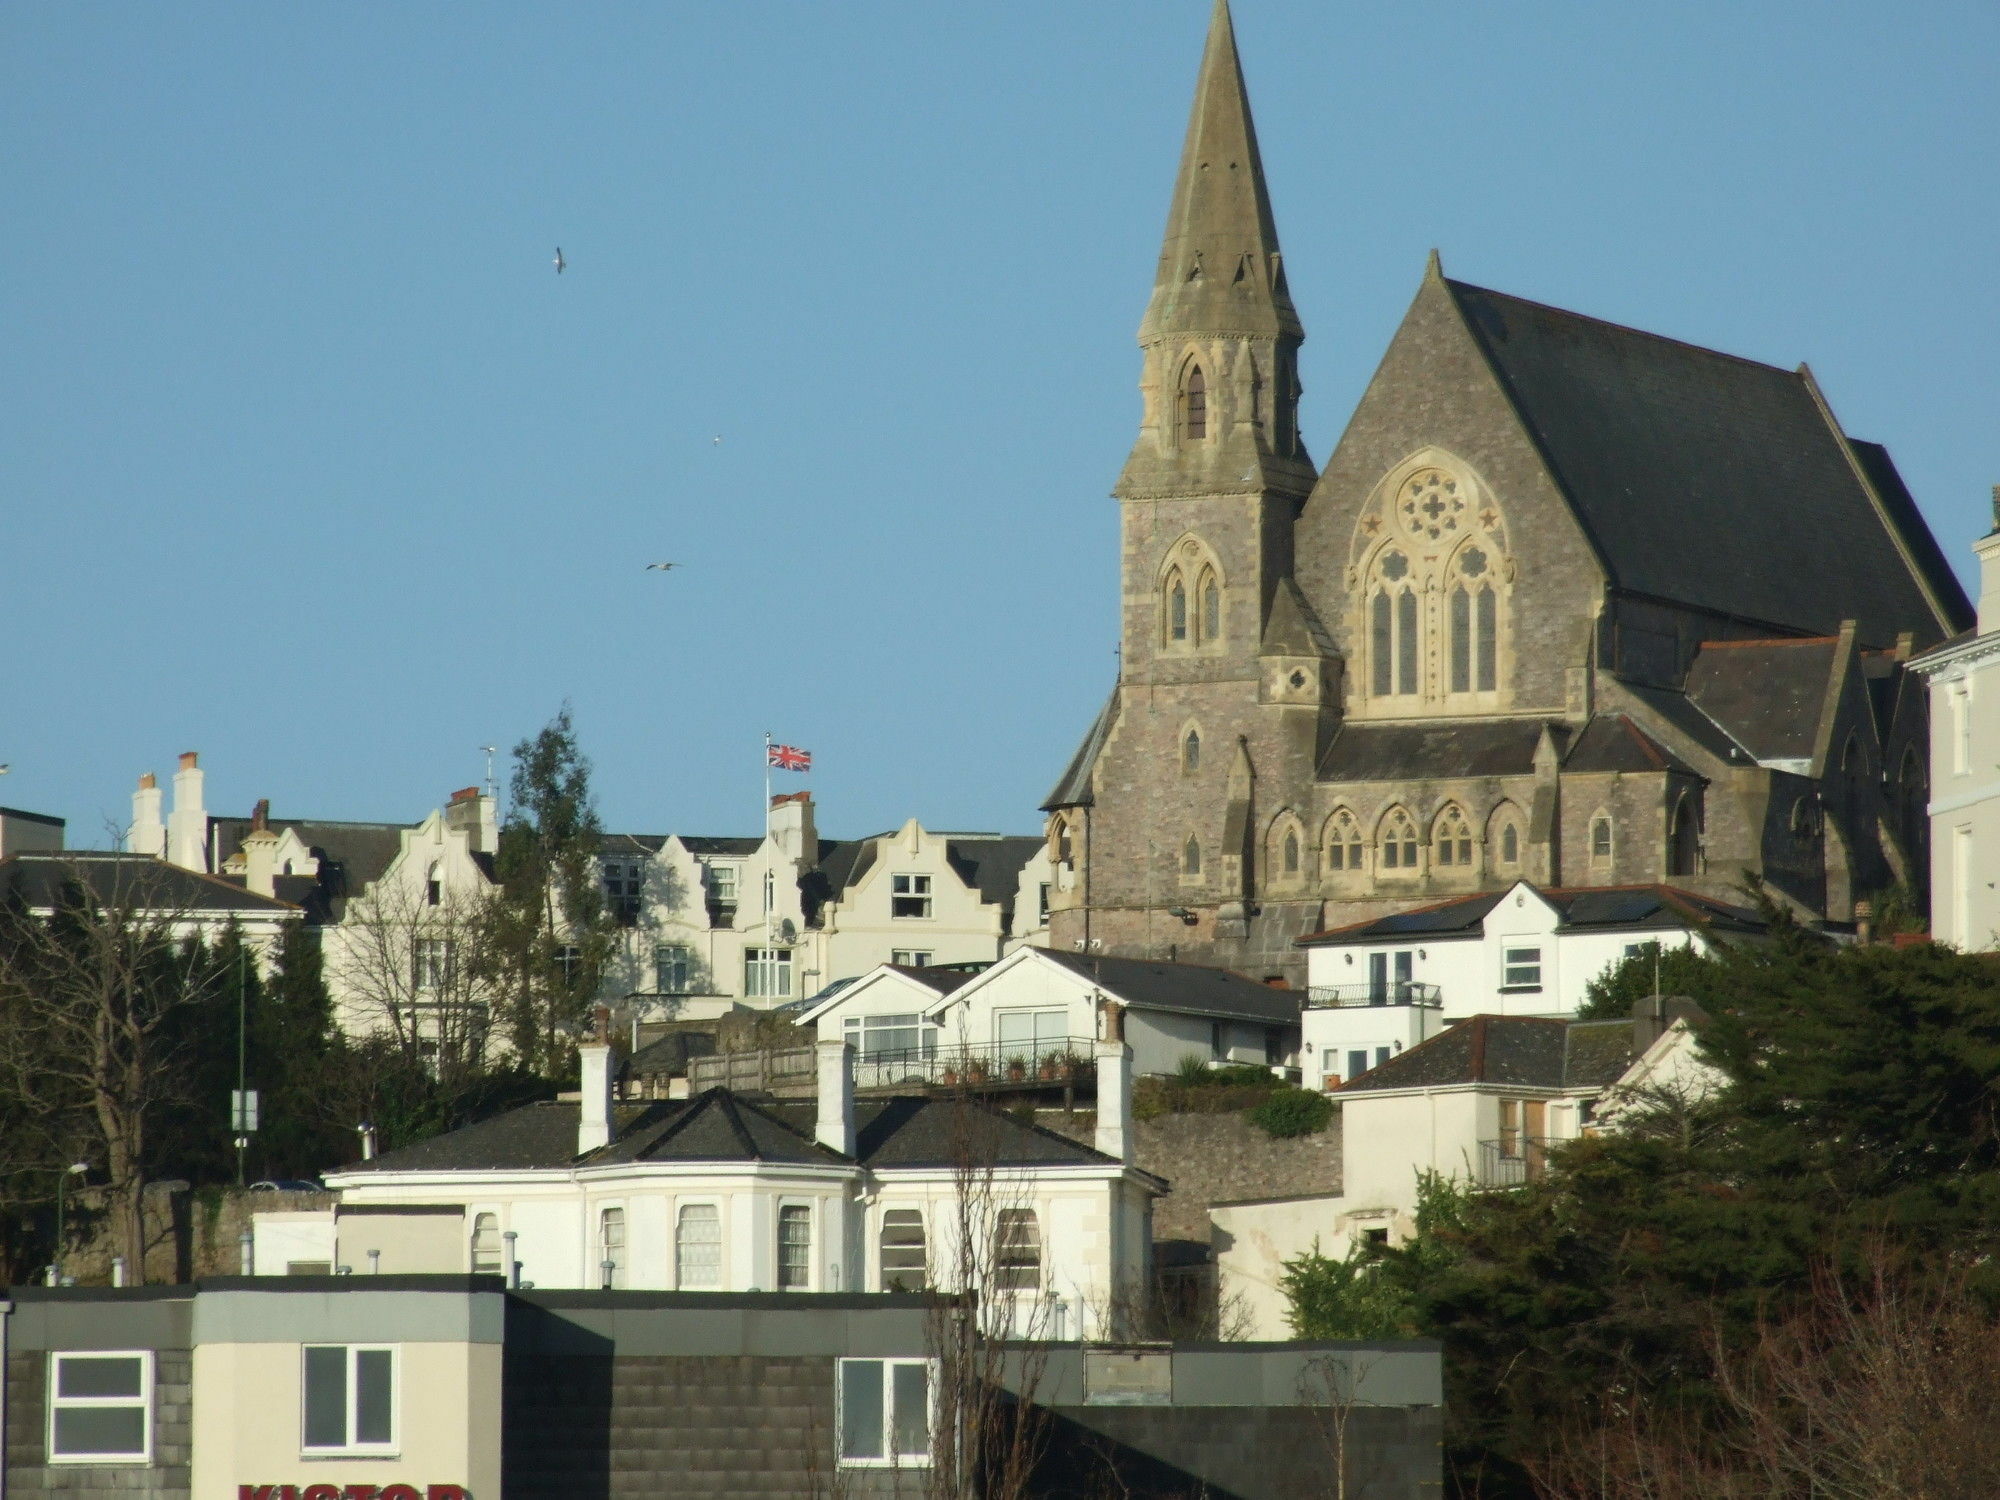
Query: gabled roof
1769	695
1578	909
1530	1052
1665	448
350	854
939	982
142	881
1612	742
1188	989
991	863
716	1126
1073	788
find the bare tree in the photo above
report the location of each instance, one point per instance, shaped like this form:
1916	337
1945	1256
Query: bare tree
414	963
98	990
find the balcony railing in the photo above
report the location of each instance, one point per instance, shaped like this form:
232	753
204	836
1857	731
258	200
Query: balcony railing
1391	992
1515	1162
1049	1063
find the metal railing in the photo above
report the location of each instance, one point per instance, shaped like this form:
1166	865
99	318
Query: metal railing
984	1065
1513	1162
1391	992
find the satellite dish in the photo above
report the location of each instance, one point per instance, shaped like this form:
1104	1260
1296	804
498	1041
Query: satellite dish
787	931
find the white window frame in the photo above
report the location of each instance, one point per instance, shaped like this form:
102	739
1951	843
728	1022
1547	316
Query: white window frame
499	1248
721	1244
1509	947
719	877
433	961
390	1449
778	1245
621	1262
913	958
144	1401
911	886
685	962
769	963
890	1459
881	1246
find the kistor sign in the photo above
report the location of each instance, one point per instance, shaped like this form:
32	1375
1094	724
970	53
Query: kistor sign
352	1492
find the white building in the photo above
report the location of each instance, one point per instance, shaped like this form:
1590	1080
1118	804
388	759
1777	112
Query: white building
713	923
1378	988
718	1193
1037	1009
1963	678
1479	1104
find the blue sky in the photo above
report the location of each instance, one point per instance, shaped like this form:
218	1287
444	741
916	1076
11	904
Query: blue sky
313	464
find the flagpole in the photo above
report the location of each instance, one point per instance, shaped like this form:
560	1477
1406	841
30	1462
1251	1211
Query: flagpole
765	816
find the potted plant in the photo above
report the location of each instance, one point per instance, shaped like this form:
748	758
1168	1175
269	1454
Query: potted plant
950	1074
1051	1066
975	1071
1017	1069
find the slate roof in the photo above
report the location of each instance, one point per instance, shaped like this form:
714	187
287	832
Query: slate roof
1073	788
1399	752
1665	449
720	1126
1579	908
1768	695
992	862
697	844
39	877
350	855
1533	1052
944	981
1612	742
1678	710
631	843
1188	989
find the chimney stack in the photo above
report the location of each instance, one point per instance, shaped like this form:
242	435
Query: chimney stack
260	852
835	1126
789	821
187	824
149	830
1114	1086
593	1120
470	811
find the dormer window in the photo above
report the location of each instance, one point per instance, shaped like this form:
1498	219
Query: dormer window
1194	406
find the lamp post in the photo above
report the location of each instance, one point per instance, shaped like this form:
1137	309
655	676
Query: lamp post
74	1169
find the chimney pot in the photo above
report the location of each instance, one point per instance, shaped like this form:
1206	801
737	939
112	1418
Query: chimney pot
260	815
147	781
189	758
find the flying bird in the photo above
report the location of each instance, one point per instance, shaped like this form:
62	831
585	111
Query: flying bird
662	567
716	441
560	262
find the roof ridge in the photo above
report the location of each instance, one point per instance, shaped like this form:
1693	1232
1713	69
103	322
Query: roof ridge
1773	640
1648	746
1645	333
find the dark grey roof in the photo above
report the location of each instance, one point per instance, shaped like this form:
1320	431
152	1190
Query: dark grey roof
1190	989
137	880
1612	742
1665	449
1769	695
350	855
943	981
992	863
1578	907
715	1126
1073	789
631	843
1532	1052
46	819
721	1126
842	863
1400	752
1682	714
697	844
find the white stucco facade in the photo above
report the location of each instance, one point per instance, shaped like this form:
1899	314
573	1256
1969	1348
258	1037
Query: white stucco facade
1963	680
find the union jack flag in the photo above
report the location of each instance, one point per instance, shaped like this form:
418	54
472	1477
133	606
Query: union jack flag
788	758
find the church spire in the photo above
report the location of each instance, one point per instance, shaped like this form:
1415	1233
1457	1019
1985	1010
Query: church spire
1220	270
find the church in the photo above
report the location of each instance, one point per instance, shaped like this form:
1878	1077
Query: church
1568	602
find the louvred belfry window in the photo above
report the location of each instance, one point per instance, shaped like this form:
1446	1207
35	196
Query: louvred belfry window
1194	406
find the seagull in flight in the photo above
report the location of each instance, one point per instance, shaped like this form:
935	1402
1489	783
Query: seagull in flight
560	262
662	567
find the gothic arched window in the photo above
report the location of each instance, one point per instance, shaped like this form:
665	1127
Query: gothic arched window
1503	836
1475	623
1600	839
1177	608
1392	627
1209	593
1398	842
1191	856
1290	862
1510	844
1451	839
1343	842
1194	405
1191	752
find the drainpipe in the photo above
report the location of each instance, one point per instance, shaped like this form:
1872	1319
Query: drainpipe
6	1307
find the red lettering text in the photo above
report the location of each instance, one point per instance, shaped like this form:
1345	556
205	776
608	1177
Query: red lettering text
400	1492
449	1492
318	1492
361	1492
256	1492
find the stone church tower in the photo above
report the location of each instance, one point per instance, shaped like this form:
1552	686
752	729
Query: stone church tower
1570	603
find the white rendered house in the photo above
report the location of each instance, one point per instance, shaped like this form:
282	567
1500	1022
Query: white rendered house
1377	988
719	1193
1037	1009
1963	679
716	923
1480	1104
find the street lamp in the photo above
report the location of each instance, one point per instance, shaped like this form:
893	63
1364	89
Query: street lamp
74	1169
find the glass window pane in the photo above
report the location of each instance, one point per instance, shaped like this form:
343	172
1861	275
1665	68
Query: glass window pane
326	1398
794	1248
105	1430
373	1396
1378	632
98	1376
1488	645
1406	642
861	1408
903	1268
698	1248
1461	641
911	1427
